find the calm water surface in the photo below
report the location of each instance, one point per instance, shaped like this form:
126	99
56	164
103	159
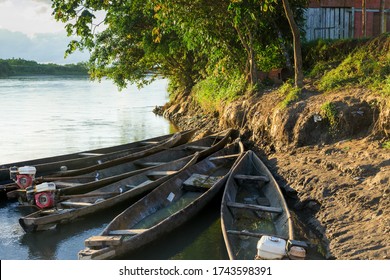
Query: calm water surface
44	116
51	116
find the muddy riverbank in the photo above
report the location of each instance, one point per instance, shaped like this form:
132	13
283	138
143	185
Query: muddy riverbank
328	152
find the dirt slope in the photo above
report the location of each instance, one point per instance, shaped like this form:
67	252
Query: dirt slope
336	172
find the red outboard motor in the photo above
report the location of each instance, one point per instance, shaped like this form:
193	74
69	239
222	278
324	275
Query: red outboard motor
23	176
45	195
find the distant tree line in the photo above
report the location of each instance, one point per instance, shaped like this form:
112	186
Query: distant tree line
22	67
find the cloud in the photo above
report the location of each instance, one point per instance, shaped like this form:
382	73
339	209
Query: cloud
48	2
42	10
29	16
43	47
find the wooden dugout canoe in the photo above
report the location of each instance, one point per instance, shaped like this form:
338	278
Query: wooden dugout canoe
204	146
97	179
88	153
175	140
165	208
252	206
126	152
104	198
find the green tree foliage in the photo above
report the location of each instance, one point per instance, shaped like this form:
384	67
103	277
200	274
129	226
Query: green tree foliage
246	34
5	68
185	41
130	49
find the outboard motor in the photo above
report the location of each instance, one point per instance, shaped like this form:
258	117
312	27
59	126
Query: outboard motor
296	250
45	195
271	248
23	176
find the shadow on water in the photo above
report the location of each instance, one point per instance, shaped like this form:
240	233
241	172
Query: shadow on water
198	239
64	241
201	239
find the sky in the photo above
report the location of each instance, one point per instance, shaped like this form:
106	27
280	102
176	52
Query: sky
29	31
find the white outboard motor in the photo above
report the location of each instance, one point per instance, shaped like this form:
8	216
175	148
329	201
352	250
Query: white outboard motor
23	176
271	248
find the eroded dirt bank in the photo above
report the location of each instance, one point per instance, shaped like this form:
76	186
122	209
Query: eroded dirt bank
335	170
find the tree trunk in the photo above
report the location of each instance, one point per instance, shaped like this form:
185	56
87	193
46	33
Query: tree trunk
364	14
297	45
383	17
254	77
251	66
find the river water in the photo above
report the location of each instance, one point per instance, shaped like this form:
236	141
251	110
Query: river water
45	116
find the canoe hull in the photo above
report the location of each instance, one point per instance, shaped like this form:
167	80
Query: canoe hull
52	165
155	201
119	172
47	219
252	206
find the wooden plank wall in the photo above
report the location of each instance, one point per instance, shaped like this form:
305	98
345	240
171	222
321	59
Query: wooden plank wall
328	23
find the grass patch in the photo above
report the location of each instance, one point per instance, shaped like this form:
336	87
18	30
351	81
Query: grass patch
368	66
291	94
329	112
213	91
386	87
322	55
386	145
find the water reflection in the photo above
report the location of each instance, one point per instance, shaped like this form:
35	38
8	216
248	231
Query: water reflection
48	116
44	116
199	239
64	241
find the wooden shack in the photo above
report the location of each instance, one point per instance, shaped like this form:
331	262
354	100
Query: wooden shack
341	19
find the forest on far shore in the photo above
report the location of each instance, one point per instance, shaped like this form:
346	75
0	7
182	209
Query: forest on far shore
22	67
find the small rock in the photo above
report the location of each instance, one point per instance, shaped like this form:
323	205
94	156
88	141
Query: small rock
317	118
356	178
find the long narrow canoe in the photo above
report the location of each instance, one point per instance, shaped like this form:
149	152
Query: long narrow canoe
104	198
125	152
88	153
165	208
97	179
204	147
253	207
175	140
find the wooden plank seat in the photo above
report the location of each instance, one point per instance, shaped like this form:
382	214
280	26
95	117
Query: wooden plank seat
234	156
75	204
255	207
145	143
102	240
99	254
127	231
54	211
248	233
251	178
149	163
199	182
62	184
160	173
90	154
